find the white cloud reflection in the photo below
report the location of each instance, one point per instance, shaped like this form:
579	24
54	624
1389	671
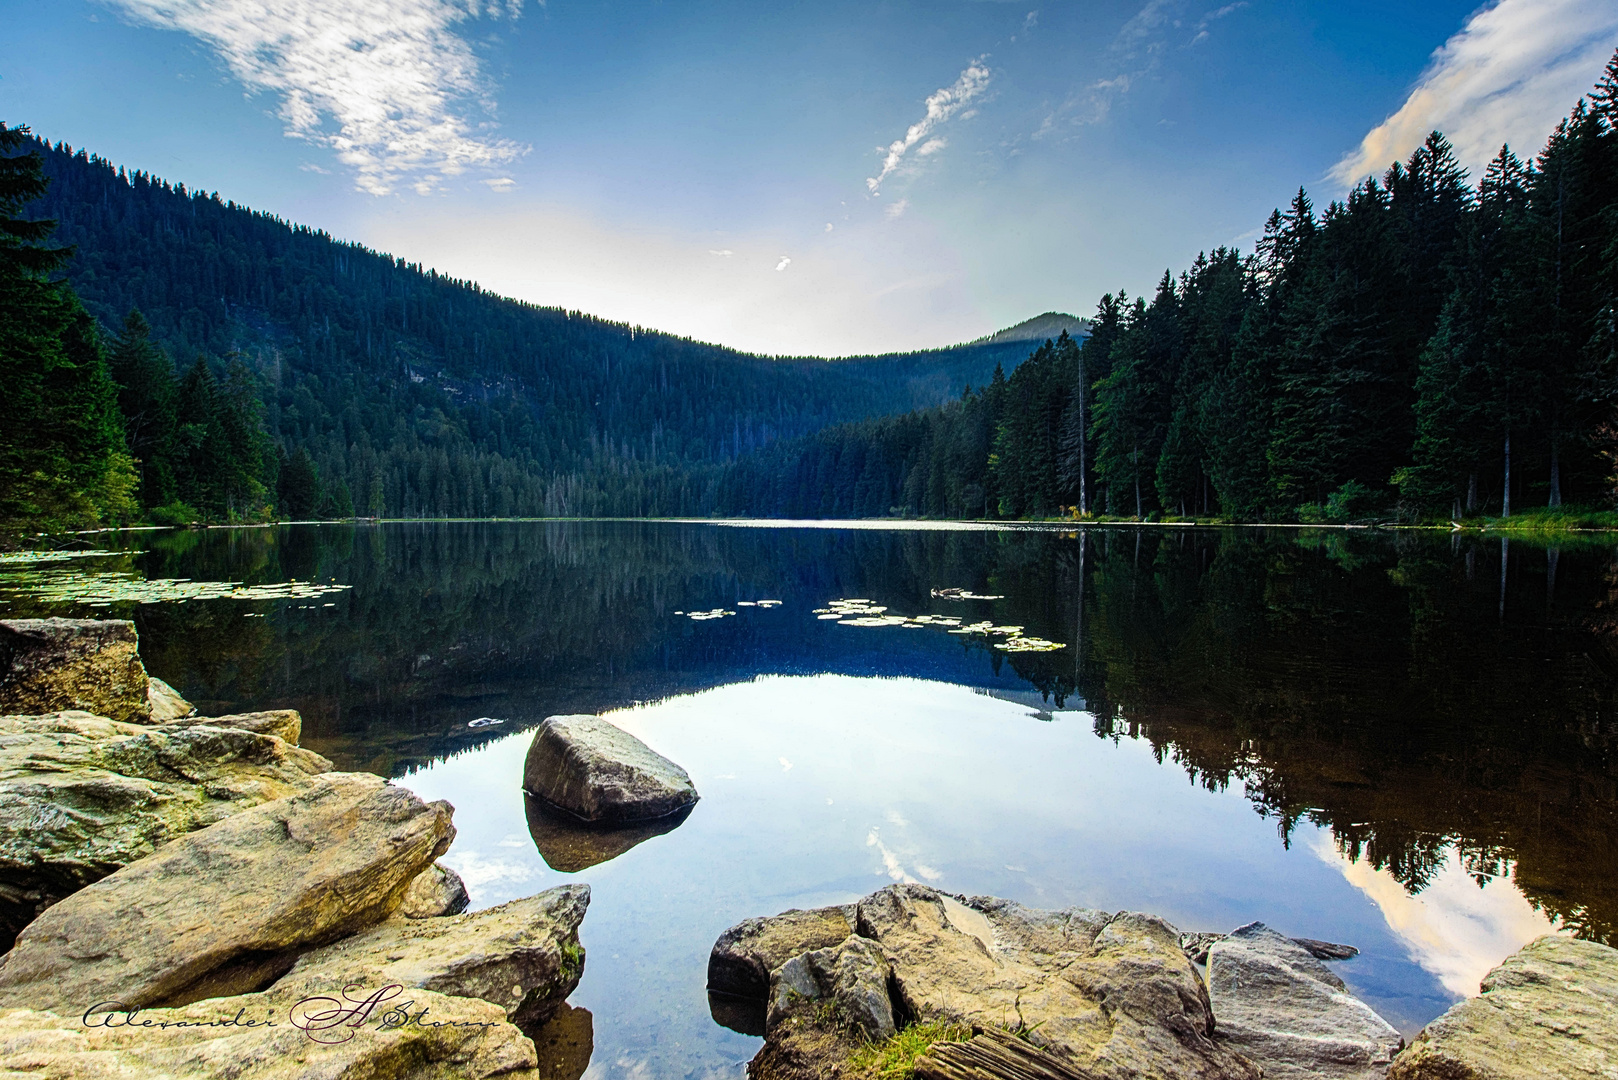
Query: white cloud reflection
1453	929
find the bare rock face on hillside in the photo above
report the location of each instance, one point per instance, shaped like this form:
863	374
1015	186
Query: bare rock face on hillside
82	796
226	908
600	773
47	665
524	955
1549	1011
1283	1008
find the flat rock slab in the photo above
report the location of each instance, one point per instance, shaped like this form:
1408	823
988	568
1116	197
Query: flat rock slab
82	796
1278	1005
48	665
601	773
524	955
209	913
1550	1011
455	1039
284	724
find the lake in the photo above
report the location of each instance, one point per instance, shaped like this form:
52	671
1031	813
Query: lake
1400	740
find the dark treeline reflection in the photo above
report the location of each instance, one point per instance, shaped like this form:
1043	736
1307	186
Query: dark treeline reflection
1416	694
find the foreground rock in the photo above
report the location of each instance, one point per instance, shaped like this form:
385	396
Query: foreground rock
435	1037
524	955
222	910
166	704
601	773
284	724
437	891
82	796
1114	996
743	957
47	665
1550	1011
1281	1007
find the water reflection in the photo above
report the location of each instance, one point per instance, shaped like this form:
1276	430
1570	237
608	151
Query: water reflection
568	845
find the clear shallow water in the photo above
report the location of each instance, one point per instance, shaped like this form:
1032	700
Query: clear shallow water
1382	741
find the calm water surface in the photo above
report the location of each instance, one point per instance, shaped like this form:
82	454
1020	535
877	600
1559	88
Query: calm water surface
1401	741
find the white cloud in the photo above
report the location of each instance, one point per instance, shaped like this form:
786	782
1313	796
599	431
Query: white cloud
782	265
500	183
723	252
941	105
931	147
828	226
381	83
897	209
1507	76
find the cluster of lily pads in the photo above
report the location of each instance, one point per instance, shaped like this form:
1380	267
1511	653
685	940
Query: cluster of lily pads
11	557
104	590
862	612
720	613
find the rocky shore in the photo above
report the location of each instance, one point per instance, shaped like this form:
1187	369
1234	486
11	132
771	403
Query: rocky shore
199	896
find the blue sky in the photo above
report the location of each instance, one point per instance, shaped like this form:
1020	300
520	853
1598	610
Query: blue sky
707	167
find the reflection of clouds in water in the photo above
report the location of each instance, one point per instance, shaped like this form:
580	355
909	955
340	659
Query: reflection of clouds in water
1452	928
513	840
479	872
891	865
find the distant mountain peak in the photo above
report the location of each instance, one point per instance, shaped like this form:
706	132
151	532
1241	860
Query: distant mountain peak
1049	325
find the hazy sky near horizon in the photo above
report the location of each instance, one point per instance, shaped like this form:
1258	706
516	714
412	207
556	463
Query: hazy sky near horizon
824	178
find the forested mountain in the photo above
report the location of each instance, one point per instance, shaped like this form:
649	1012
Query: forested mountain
389	388
1421	348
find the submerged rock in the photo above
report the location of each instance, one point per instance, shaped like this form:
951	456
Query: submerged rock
524	955
1281	1007
1549	1011
225	909
166	702
570	845
437	891
598	772
82	796
48	665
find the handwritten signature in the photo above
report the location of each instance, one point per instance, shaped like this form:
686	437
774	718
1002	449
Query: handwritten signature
323	1019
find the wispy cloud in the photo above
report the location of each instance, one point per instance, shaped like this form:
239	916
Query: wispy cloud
782	265
723	252
1507	76
383	83
941	105
897	209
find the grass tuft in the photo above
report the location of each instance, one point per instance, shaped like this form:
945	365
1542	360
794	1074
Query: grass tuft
895	1057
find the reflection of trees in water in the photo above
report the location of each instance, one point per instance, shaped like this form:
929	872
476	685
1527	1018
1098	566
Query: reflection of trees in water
1378	691
1363	682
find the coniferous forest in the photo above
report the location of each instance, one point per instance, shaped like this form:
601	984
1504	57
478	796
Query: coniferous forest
1431	346
1426	347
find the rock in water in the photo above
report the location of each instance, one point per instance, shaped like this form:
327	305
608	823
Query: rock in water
524	955
437	891
1278	1005
743	957
217	911
166	702
601	773
570	845
282	723
852	976
1550	1012
81	796
47	665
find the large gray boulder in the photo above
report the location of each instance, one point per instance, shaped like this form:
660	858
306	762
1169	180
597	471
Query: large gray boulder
48	665
1549	1012
601	773
743	957
1284	1009
82	796
524	955
852	977
224	910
